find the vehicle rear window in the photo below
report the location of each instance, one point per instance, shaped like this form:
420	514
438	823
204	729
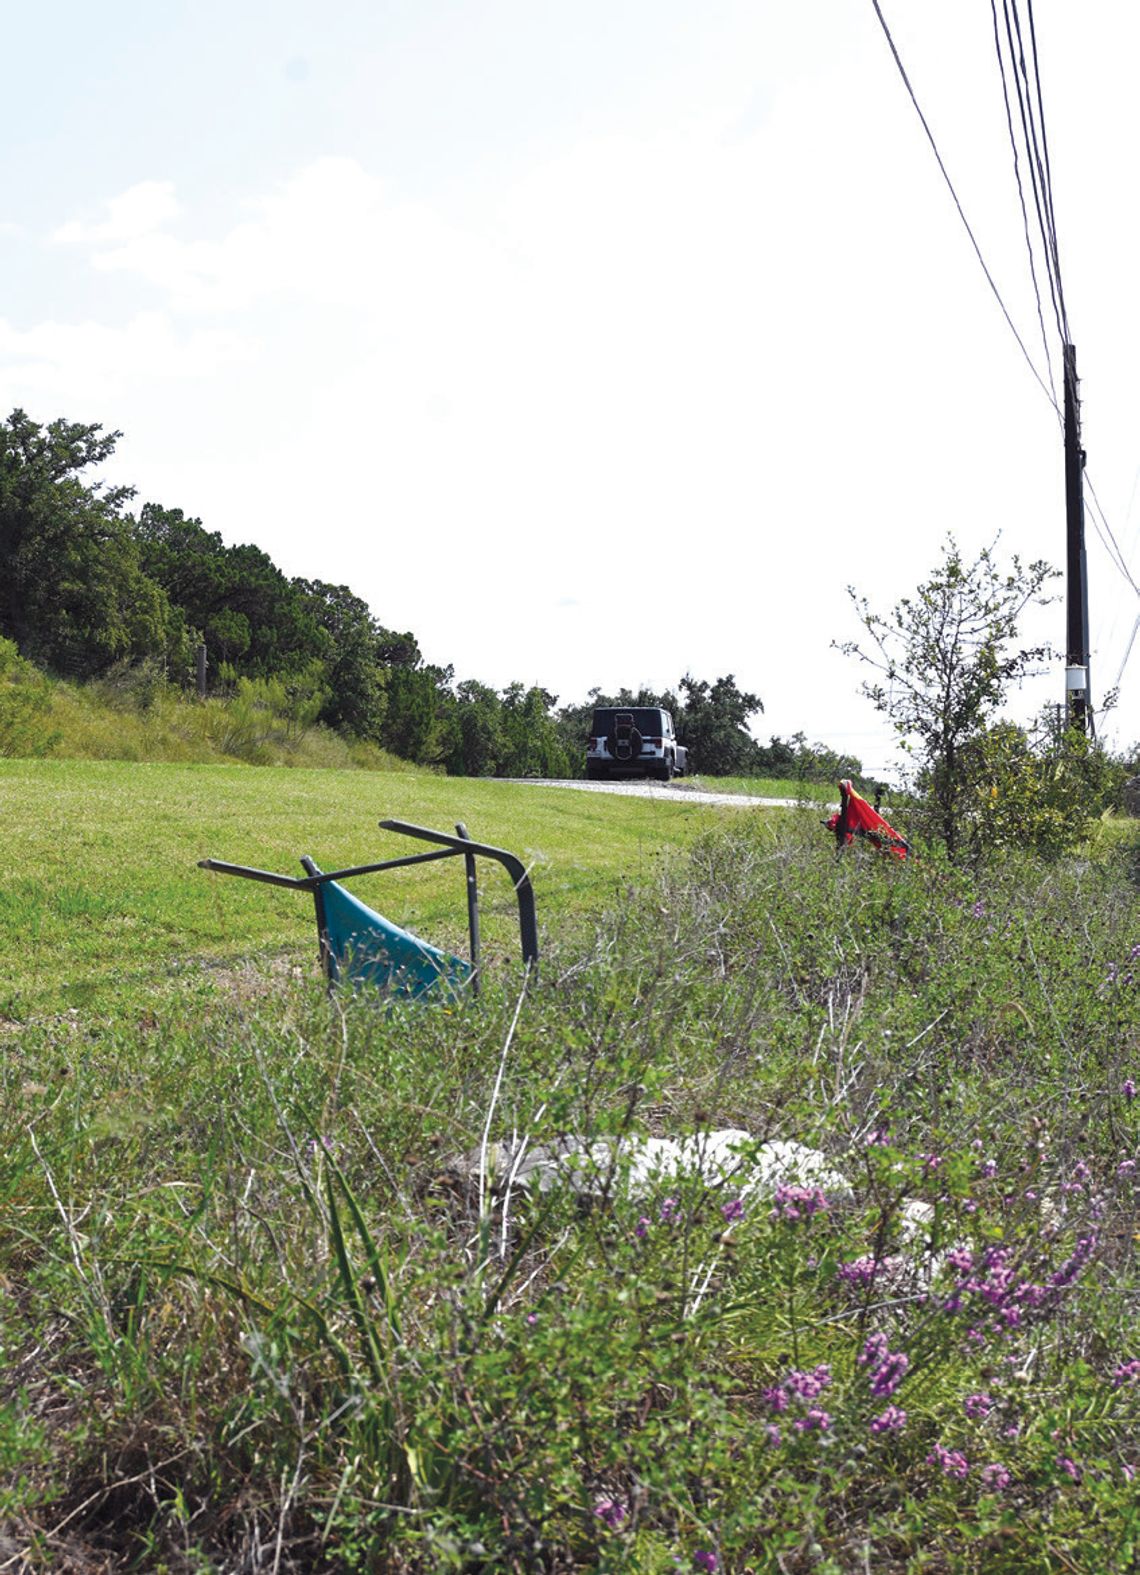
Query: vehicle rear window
647	720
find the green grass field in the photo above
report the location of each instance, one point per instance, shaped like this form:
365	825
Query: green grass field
99	885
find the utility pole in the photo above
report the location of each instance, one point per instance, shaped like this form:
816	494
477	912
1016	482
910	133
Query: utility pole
1077	696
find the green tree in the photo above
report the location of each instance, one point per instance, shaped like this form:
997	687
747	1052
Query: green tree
795	757
945	659
531	744
249	613
356	698
74	596
714	726
415	723
477	743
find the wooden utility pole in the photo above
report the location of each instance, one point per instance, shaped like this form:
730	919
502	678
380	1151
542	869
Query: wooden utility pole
1077	695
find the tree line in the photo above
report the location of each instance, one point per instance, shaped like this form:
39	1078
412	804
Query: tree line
91	588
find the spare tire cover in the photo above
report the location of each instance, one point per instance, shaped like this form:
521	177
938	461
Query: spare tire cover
625	746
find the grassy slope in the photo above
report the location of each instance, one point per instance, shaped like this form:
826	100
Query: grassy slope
99	884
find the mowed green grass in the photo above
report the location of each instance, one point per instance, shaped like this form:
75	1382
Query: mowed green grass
766	787
100	892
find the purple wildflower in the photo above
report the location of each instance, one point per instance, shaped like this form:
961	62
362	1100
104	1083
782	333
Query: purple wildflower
1069	1467
1125	1169
1128	1088
860	1271
952	1462
995	1478
1071	1268
773	1434
324	1145
610	1510
704	1560
892	1420
641	1229
978	1407
874	1349
794	1203
1126	1373
733	1209
886	1378
669	1210
814	1419
806	1386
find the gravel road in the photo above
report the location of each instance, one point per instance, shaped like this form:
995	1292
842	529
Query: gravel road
642	789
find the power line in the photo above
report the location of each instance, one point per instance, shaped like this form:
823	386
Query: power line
1042	192
1048	166
1114	551
961	213
1128	651
1021	200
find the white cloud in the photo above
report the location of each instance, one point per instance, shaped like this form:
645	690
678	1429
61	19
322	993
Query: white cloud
136	212
62	361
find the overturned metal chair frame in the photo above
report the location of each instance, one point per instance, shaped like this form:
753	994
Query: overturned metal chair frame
459	846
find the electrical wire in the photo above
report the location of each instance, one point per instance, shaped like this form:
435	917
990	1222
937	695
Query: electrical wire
1048	166
1128	651
1113	551
1042	192
1021	199
961	212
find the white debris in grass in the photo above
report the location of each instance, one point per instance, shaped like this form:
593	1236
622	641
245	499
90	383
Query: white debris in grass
635	1166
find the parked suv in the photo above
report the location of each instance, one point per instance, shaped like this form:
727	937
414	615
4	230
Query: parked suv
633	740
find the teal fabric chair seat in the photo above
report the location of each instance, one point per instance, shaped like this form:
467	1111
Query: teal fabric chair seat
366	948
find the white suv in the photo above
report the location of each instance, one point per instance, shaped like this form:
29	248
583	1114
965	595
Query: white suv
633	740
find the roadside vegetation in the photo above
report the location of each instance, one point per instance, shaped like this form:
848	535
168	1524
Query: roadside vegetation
255	1317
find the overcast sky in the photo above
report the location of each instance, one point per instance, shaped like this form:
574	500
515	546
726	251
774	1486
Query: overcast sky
592	342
